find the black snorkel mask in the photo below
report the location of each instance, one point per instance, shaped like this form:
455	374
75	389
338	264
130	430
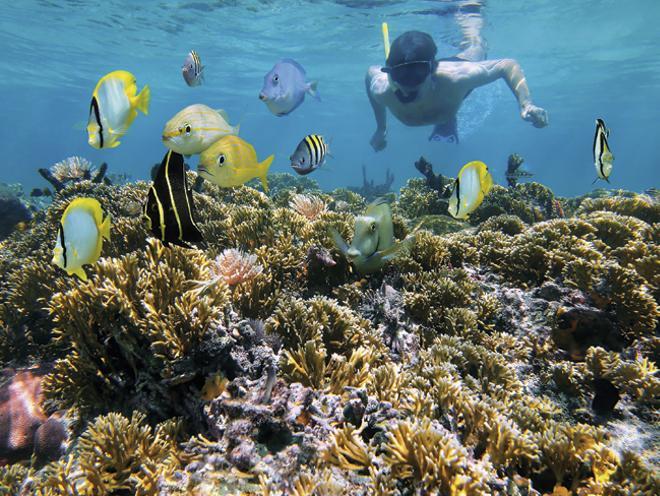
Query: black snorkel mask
410	74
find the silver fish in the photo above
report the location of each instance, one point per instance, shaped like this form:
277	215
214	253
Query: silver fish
192	69
285	87
603	157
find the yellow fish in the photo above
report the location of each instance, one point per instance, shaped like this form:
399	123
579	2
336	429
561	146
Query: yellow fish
195	128
80	236
472	184
231	161
114	106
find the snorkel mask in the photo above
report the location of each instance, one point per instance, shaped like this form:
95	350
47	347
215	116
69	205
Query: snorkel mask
410	74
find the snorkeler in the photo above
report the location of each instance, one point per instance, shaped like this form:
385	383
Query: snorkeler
421	90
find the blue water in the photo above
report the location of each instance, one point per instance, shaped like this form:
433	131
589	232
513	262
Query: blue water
582	59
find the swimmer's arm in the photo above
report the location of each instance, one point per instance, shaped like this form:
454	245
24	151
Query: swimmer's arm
378	140
379	109
485	72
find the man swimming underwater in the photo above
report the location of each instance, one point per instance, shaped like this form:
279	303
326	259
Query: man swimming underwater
421	90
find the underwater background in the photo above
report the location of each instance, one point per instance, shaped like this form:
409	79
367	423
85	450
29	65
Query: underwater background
329	334
582	59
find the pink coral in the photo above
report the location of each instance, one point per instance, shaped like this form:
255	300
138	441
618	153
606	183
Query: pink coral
235	266
308	206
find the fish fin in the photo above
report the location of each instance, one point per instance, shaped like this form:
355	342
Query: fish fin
142	100
295	64
237	128
78	272
608	180
312	91
338	240
223	113
263	171
105	228
398	248
594	181
113	145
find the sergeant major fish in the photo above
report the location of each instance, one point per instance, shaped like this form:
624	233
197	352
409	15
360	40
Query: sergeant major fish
309	155
80	236
231	161
192	69
113	109
285	87
603	157
472	184
373	241
169	210
195	128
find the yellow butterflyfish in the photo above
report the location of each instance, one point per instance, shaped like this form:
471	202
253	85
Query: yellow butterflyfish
471	186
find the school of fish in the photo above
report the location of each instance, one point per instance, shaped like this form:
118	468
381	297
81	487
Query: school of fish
227	160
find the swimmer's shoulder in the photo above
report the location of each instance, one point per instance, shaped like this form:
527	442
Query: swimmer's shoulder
377	80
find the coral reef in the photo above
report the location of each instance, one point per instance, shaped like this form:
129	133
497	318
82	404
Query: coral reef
74	169
370	190
514	356
13	210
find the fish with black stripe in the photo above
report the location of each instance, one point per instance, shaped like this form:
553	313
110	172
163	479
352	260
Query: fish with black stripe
603	157
310	154
192	69
169	209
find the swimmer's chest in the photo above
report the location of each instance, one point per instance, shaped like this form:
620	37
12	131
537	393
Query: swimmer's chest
435	106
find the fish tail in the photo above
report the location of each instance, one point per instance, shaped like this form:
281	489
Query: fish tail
311	90
105	228
142	100
263	169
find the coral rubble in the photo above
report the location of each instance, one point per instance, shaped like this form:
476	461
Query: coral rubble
514	355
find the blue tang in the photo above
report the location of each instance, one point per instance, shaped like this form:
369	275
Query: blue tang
285	87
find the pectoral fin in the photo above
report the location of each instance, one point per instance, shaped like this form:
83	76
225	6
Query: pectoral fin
79	272
398	248
338	240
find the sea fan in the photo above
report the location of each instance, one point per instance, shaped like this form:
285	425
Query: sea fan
235	266
72	168
308	206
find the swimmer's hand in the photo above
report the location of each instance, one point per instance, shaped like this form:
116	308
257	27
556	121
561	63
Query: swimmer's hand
378	140
536	115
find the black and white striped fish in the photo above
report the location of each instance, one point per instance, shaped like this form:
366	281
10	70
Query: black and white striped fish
310	154
603	157
169	209
192	69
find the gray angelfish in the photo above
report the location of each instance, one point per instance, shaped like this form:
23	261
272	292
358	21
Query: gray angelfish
373	241
285	87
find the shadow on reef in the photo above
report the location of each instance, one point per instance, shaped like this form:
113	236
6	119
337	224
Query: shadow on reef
512	355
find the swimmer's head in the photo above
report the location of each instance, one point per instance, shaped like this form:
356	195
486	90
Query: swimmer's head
411	59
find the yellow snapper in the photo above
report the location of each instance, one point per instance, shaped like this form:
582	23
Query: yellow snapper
195	128
113	109
231	161
80	236
472	184
373	241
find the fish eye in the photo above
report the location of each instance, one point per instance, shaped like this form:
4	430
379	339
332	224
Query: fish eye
302	160
276	78
221	159
188	129
373	227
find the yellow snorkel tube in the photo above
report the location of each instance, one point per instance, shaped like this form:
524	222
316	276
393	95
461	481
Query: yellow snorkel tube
386	40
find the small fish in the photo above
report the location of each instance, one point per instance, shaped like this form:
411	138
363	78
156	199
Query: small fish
285	87
603	157
309	155
169	209
373	241
80	236
231	161
472	184
192	69
113	109
195	128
